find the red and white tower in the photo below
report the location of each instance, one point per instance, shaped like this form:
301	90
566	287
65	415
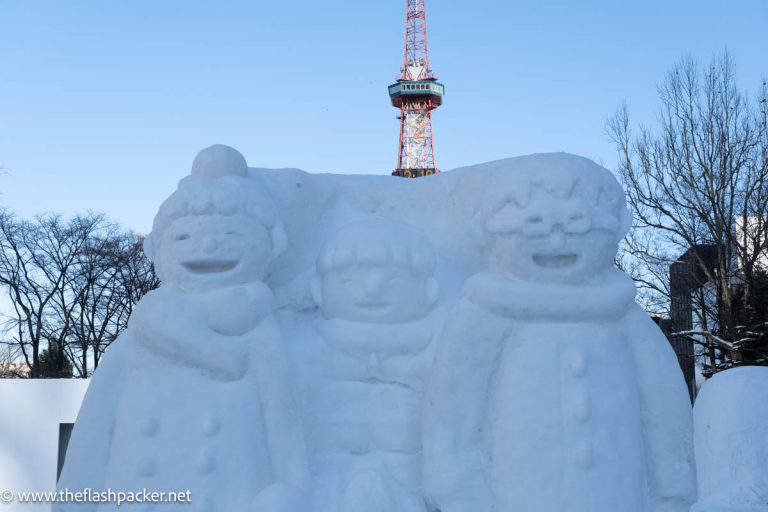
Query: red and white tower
416	93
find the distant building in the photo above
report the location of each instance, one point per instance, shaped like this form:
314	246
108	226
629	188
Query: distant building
13	369
686	276
689	275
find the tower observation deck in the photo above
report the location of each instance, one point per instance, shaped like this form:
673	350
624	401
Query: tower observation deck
416	93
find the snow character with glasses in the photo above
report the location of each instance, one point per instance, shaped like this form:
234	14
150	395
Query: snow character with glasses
552	390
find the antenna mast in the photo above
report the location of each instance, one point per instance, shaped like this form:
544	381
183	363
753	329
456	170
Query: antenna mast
416	93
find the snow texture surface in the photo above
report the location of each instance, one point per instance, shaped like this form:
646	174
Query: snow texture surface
731	439
459	342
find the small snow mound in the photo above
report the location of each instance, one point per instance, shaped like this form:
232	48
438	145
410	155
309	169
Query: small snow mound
218	161
731	441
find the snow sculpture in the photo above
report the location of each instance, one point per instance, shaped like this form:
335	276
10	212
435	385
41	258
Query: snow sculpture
197	393
552	390
731	438
376	292
547	390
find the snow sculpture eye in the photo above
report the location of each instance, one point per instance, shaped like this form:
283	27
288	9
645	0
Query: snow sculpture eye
577	222
537	223
181	237
508	219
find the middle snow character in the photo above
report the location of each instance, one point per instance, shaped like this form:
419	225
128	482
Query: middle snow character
376	290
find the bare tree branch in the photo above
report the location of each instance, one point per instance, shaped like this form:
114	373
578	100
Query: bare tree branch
699	179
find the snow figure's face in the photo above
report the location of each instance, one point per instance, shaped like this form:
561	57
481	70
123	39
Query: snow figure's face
200	252
376	294
551	240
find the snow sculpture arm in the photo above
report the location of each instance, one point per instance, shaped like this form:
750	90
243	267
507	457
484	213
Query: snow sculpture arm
274	387
91	441
666	415
455	409
167	324
281	497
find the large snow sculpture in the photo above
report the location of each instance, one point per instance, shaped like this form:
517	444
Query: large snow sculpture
197	393
552	390
547	390
376	291
731	438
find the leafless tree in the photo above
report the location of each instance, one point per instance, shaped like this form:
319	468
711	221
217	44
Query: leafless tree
697	184
72	285
35	258
113	274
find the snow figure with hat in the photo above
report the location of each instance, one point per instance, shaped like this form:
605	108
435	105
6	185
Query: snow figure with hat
552	390
372	347
197	393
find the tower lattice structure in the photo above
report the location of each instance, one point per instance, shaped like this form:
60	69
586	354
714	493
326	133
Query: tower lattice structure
416	93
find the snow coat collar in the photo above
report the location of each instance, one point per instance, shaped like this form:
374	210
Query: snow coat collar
361	339
608	299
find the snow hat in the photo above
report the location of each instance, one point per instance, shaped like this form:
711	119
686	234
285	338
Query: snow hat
378	241
218	161
218	185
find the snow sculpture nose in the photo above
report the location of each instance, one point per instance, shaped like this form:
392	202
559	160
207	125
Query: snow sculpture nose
373	284
209	244
557	236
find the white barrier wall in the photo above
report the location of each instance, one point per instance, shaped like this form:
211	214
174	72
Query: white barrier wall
31	411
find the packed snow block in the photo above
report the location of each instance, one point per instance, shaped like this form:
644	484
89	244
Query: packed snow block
731	440
460	342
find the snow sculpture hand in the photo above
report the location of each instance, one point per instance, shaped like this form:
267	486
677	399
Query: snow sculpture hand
467	504
235	310
367	491
280	497
672	506
472	496
169	324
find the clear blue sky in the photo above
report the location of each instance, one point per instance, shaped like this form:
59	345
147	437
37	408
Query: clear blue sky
103	104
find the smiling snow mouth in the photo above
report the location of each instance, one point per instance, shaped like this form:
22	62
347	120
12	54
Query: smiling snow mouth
373	305
210	267
555	260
